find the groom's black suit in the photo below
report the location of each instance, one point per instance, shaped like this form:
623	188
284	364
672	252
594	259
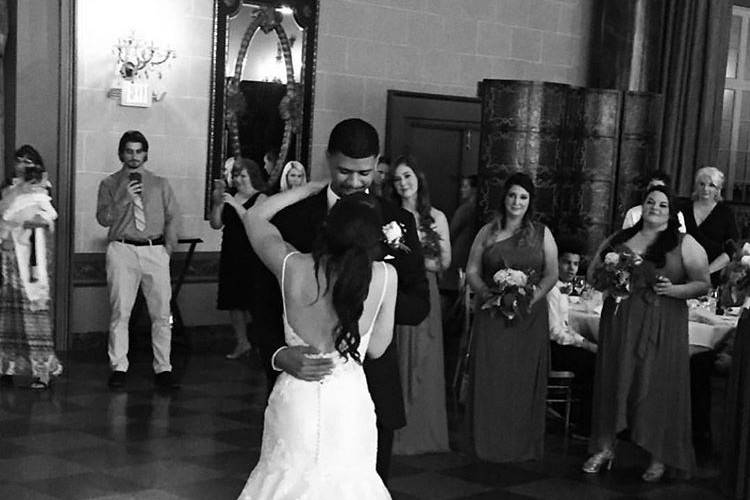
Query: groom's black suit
299	225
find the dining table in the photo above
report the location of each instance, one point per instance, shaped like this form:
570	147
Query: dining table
706	329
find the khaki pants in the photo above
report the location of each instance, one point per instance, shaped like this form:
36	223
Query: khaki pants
127	267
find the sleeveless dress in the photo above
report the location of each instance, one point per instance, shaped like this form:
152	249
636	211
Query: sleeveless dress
642	372
735	470
509	363
319	438
238	263
420	355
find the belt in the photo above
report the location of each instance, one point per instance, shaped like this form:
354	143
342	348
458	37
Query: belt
159	240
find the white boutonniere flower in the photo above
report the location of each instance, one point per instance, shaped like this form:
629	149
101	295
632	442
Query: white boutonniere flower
393	235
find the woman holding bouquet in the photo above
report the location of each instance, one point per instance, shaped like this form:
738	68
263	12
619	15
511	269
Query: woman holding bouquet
26	224
509	357
642	376
420	347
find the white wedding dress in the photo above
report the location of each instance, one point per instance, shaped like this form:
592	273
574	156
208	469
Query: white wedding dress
319	438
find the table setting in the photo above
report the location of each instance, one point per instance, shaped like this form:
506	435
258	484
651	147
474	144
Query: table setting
706	328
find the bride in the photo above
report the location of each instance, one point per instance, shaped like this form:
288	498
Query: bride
319	438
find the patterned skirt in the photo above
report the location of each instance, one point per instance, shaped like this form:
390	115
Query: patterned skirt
26	342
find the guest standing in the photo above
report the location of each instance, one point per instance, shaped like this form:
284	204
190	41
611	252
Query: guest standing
26	224
642	362
142	215
463	228
420	347
292	176
710	221
238	263
510	362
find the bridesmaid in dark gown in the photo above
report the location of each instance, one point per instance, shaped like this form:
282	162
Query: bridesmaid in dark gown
642	375
735	471
509	362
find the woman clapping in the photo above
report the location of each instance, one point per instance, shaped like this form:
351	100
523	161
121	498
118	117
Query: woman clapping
642	377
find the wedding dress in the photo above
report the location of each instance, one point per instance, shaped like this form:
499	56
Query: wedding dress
319	438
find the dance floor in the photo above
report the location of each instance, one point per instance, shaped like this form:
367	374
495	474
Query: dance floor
80	440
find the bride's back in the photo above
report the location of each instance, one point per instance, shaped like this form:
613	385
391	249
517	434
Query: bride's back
309	305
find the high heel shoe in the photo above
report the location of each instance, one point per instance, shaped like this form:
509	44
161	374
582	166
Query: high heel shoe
654	473
240	351
598	460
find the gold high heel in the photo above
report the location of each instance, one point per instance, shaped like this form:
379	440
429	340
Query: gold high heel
654	473
598	460
239	351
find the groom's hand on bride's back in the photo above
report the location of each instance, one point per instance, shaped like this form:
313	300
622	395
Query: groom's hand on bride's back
296	361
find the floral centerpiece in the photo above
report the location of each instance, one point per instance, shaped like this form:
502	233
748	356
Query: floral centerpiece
623	271
511	294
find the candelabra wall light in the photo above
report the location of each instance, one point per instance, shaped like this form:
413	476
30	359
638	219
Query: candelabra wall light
139	67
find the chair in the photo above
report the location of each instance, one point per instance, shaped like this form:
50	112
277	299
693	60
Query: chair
560	391
461	373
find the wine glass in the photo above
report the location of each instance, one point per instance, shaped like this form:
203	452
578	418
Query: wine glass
579	284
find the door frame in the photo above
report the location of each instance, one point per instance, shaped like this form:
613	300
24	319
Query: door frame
65	196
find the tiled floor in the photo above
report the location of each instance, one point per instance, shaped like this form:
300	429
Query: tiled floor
79	440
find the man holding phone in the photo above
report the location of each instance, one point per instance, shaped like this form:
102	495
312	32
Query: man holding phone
142	215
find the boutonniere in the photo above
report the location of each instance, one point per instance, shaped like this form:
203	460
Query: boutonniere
393	236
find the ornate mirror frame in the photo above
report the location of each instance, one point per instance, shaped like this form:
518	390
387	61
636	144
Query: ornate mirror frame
297	105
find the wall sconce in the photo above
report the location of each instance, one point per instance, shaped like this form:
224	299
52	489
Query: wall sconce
138	71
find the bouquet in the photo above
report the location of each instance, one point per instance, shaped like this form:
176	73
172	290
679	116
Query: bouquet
511	294
735	279
622	272
430	242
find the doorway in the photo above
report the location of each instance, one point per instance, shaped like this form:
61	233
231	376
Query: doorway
441	132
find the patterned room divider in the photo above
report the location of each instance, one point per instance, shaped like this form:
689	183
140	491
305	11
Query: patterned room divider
584	148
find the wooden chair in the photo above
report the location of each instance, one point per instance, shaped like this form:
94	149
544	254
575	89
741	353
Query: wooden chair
560	391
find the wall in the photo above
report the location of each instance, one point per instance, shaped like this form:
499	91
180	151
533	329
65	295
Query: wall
438	46
175	127
364	49
37	62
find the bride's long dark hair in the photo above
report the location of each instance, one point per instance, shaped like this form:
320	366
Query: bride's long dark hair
344	249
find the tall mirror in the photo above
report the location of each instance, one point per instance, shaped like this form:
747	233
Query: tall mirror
262	84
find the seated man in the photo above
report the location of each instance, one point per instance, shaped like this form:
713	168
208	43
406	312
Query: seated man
570	351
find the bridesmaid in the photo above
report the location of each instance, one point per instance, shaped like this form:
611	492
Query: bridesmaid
642	377
510	362
420	347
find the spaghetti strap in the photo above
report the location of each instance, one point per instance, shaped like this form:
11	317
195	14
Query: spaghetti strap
283	279
382	297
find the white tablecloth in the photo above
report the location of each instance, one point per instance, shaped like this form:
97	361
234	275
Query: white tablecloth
705	329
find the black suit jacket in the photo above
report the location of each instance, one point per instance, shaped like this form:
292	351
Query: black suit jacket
299	225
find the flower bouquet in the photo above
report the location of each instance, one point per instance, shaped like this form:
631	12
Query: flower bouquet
622	272
735	279
430	243
511	294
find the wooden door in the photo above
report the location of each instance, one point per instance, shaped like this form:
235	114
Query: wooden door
442	134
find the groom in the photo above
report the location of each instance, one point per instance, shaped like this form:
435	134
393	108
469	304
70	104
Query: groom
352	155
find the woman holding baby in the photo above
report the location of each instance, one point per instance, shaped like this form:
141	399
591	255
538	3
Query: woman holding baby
26	226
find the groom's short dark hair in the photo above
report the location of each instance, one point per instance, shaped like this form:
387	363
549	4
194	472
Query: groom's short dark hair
354	138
